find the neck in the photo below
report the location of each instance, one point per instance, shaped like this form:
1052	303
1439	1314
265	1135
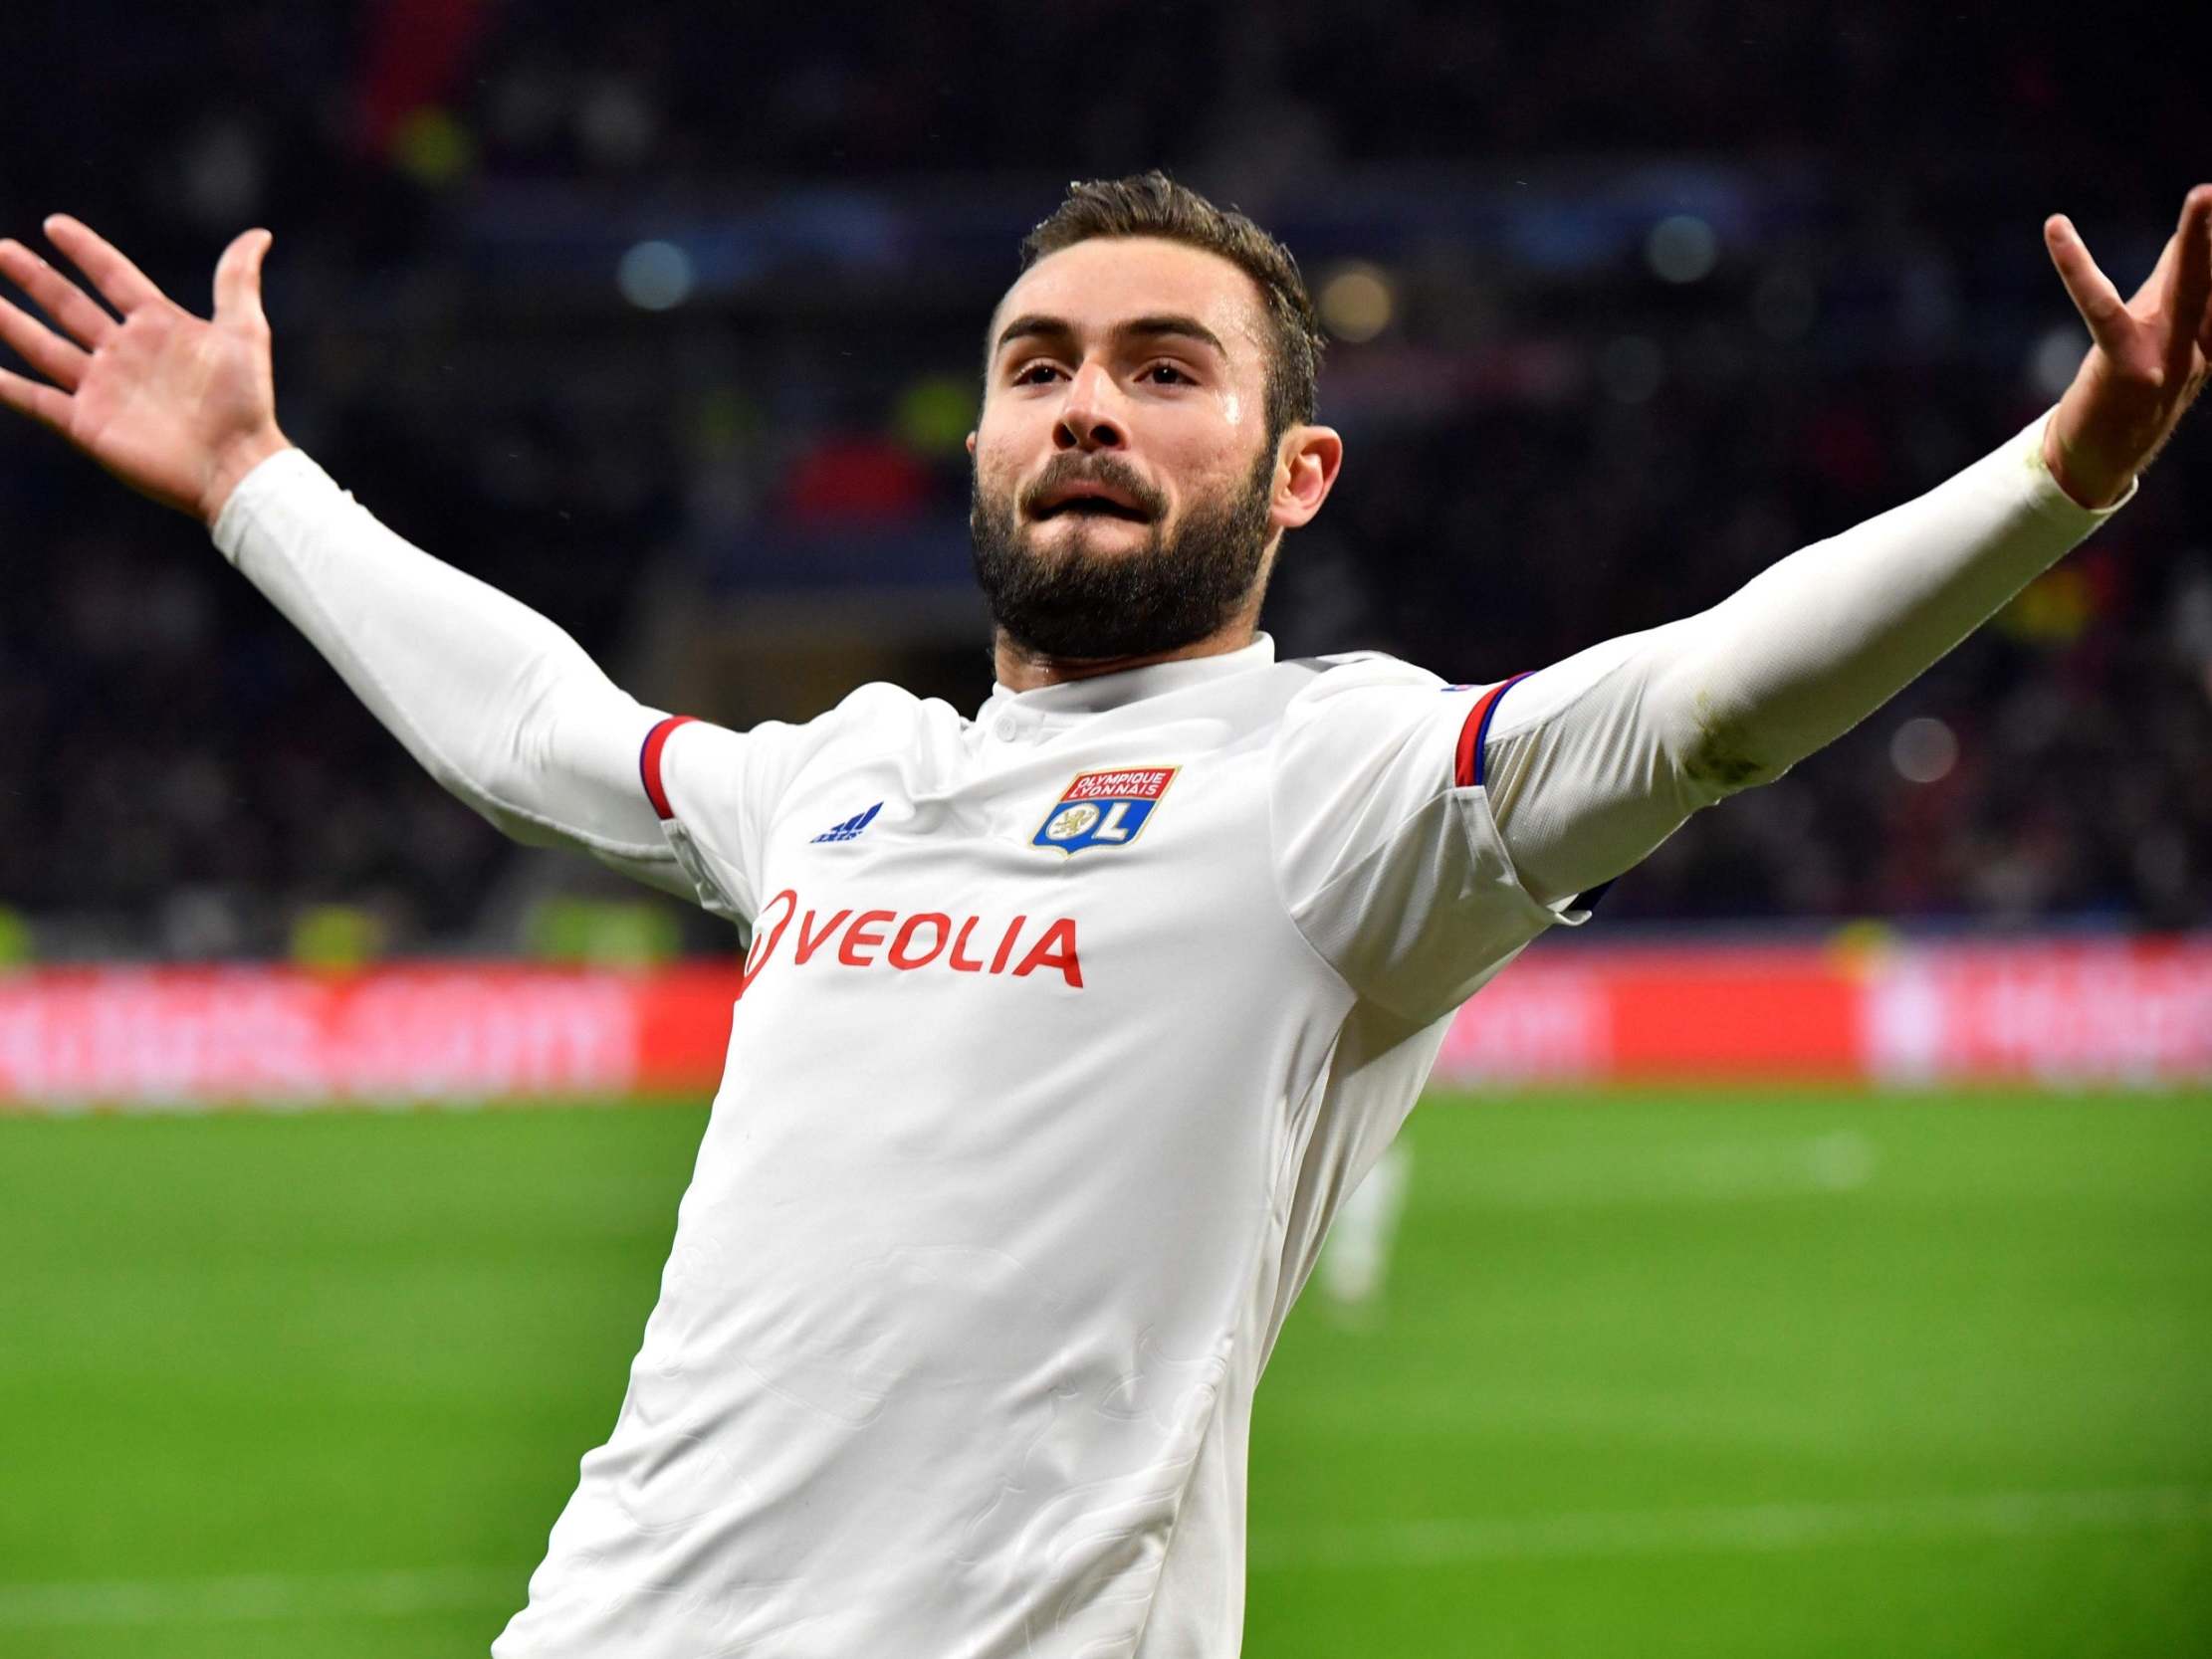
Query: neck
1022	669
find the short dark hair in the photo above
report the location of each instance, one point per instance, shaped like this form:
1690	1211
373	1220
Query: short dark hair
1153	204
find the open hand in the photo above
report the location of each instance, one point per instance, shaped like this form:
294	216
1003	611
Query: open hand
177	407
2147	364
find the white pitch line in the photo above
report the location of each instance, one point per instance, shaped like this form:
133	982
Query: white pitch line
258	1597
1757	1170
278	1597
1757	1527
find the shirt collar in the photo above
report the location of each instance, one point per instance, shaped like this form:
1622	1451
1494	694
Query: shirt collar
1103	692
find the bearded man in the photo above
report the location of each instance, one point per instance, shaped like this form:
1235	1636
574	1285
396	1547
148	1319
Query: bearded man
1067	1026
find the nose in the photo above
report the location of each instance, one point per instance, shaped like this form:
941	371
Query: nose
1087	419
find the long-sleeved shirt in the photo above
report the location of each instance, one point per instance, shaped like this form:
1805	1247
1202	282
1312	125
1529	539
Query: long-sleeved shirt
1067	1026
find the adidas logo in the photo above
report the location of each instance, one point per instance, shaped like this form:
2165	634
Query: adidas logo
851	827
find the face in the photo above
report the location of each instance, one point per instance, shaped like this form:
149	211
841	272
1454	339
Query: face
1126	494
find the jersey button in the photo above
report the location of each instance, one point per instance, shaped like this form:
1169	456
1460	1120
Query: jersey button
1007	728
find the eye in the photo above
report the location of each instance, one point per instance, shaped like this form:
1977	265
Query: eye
1027	374
1177	374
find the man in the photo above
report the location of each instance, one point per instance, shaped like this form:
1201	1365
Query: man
1066	1027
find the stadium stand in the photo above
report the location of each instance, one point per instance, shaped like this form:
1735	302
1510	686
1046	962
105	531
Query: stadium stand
678	351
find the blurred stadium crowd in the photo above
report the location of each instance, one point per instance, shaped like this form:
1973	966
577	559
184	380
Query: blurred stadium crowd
669	321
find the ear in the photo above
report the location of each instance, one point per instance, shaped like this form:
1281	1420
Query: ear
1305	473
971	445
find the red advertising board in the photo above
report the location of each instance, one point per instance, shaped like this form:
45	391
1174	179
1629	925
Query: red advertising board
138	1037
1662	1012
161	1036
2058	1011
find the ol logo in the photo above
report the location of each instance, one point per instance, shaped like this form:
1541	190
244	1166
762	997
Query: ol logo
1103	809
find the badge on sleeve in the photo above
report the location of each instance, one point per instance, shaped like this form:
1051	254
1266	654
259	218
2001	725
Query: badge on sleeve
1103	809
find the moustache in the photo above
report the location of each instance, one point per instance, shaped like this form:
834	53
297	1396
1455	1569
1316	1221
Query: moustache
1066	471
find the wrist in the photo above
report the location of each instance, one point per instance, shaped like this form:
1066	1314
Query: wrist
232	464
2085	481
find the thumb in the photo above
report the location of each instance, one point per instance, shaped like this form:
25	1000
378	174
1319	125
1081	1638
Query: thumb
238	279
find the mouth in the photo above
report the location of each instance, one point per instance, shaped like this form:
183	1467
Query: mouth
1090	502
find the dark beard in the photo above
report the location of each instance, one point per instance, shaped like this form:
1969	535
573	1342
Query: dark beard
1078	605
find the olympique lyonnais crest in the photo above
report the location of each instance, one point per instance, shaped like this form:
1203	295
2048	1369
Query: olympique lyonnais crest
1103	809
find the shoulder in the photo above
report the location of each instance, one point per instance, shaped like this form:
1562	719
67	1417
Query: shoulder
1348	686
879	702
716	768
1365	732
1345	672
878	715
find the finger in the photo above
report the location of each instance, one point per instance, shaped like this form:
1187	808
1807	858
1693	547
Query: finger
42	403
120	283
238	279
76	313
2190	287
38	345
2088	287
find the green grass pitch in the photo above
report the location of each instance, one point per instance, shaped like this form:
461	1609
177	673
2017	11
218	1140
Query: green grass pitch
1656	1375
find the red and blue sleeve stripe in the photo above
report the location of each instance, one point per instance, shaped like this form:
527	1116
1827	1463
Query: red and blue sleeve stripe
1474	733
649	763
1470	772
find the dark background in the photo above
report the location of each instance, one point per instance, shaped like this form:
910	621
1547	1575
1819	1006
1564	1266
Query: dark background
666	319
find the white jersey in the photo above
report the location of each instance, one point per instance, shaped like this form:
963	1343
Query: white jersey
1065	1029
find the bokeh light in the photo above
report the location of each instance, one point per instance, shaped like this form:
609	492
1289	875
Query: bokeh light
1923	749
1682	249
655	275
1356	303
2054	358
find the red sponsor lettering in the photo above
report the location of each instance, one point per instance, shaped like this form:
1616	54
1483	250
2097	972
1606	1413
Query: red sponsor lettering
860	935
1006	945
767	933
924	939
811	941
901	956
1055	949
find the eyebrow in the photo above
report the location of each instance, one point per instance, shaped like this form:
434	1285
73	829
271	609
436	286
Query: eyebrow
1166	325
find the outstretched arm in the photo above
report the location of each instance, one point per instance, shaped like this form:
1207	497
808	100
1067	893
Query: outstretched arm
1591	764
503	708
